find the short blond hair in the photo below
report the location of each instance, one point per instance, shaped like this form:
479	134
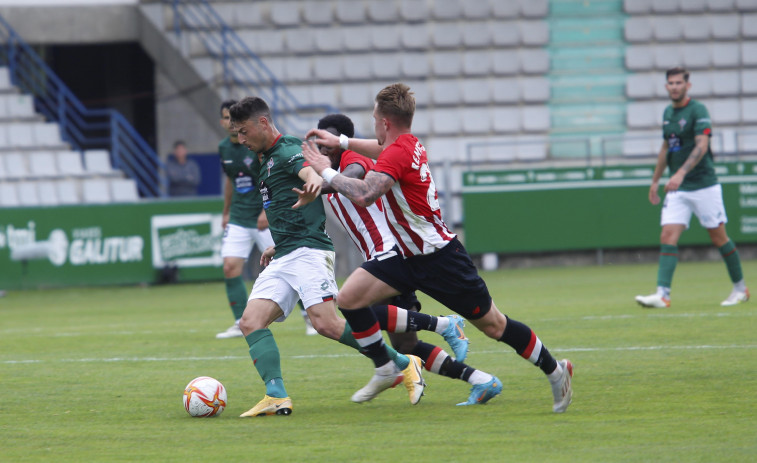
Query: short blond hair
396	102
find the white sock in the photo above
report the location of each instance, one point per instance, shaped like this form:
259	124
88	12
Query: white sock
386	369
740	286
479	377
555	375
663	291
442	323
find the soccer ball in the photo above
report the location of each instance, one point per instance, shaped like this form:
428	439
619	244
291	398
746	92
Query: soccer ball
204	396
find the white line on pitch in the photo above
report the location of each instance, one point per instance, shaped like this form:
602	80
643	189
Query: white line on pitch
238	357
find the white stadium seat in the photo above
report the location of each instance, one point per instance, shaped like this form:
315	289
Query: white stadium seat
695	28
638	29
381	11
640	86
667	29
98	162
27	194
69	163
476	120
95	191
68	191
535	118
42	164
123	190
476	91
9	194
16	165
47	194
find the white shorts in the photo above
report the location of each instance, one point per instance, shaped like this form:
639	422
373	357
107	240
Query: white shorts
306	274
237	241
705	203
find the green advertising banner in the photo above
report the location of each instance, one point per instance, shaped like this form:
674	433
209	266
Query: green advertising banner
535	210
110	244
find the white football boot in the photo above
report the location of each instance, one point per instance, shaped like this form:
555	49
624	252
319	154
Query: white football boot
654	301
736	297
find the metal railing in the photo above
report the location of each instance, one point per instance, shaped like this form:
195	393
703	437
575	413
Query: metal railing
83	128
241	68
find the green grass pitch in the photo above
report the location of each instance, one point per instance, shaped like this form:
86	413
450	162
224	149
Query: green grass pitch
97	375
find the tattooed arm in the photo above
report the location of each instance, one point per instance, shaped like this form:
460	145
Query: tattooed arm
363	192
702	142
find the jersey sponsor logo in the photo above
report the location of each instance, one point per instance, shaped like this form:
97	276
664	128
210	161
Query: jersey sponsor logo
295	158
674	143
243	183
265	193
228	161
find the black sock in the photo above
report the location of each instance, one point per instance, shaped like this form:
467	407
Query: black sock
367	333
525	342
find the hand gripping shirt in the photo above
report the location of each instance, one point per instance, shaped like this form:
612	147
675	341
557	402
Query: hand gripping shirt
291	229
679	127
412	205
242	167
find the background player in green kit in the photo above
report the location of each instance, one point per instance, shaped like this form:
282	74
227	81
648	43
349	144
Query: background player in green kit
244	221
692	188
303	267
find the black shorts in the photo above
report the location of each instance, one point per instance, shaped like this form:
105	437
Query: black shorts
447	275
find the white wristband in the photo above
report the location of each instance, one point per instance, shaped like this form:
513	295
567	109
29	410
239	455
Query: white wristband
344	141
328	174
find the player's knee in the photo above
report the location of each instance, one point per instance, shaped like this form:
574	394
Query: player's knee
345	300
231	269
327	328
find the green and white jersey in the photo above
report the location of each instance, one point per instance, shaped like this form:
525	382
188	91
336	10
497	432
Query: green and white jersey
304	227
242	166
679	127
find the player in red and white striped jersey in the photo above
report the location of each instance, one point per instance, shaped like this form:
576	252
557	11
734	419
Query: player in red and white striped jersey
429	257
369	230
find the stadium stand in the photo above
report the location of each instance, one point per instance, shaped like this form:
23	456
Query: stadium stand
453	57
712	38
37	168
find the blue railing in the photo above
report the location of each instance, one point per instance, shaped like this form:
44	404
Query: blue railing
241	68
83	128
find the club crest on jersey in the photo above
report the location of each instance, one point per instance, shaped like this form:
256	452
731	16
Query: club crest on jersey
247	161
682	123
269	165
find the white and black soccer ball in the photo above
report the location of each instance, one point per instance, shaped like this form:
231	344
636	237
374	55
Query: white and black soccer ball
204	397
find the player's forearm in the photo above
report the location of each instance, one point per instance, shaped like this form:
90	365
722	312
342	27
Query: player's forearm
227	196
366	147
661	164
358	191
695	156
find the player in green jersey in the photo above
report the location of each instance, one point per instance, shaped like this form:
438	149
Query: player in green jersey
244	221
303	267
692	188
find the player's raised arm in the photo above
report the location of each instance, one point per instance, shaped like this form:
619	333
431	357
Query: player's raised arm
366	147
311	189
361	192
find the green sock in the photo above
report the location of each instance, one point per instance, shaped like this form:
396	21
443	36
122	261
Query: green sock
348	340
732	261
236	291
668	261
265	355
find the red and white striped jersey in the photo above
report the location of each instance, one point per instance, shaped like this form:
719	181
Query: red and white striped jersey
366	226
412	205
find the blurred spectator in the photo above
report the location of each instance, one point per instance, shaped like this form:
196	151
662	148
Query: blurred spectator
183	174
